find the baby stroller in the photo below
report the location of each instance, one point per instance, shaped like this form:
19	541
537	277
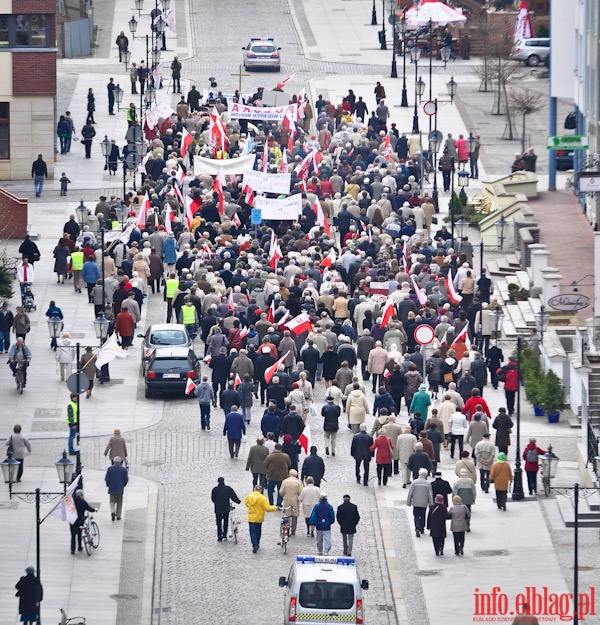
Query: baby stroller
27	297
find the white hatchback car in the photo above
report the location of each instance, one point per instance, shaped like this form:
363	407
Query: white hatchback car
262	53
532	52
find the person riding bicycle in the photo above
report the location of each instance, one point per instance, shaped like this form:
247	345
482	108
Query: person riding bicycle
19	354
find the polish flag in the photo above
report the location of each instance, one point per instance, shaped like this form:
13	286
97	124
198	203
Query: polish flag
207	359
463	335
271	313
301	103
237	380
455	298
386	373
169	218
329	259
388	311
318	210
299	324
270	371
189	386
142	166
406	250
244	332
143	214
285	317
230	302
317	158
177	194
186	141
249	195
303	167
386	147
283	163
219	186
284	82
444	340
305	439
180	175
218	134
274	251
265	159
367	229
189	213
156	223
206	248
288	122
236	220
420	295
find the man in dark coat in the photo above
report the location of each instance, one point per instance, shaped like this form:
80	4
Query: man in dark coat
348	517
276	393
30	593
331	414
222	496
229	397
314	466
293	425
271	423
360	451
234	428
441	487
116	479
419	460
310	358
221	366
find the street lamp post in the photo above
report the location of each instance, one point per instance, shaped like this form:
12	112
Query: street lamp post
82	212
121	211
106	146
415	53
133	24
118	92
160	29
461	225
404	100
126	56
501	226
542	319
497	316
64	467
139	5
434	145
55	326
394	16
373	15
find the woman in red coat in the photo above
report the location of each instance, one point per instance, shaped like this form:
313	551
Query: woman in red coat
383	446
531	455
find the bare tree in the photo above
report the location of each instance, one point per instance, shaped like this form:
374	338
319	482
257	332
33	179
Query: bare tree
525	102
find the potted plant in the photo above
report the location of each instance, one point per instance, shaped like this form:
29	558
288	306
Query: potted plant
533	388
552	396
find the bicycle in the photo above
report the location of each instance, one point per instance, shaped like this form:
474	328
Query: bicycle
19	377
285	528
233	524
90	534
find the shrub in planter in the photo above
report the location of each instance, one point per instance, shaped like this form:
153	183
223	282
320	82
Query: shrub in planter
6	291
552	395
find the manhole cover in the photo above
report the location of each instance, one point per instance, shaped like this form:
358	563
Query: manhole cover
427	573
385	608
124	597
491	552
152	463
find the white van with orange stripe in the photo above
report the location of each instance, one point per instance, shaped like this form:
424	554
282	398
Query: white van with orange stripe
323	590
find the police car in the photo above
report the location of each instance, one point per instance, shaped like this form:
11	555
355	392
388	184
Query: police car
323	589
262	53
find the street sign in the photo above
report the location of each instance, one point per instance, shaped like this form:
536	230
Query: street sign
569	302
78	383
256	216
132	160
435	135
424	334
393	19
429	108
568	142
134	133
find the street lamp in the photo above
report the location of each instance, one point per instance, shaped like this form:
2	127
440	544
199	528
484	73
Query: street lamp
126	56
121	211
373	15
160	30
133	24
149	96
383	45
501	226
55	326
542	319
139	4
394	16
404	101
82	213
101	324
10	468
549	462
65	467
415	53
106	146
461	224
166	4
117	91
452	87
155	56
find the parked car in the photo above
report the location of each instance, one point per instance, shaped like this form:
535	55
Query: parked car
164	335
564	160
169	370
262	53
531	51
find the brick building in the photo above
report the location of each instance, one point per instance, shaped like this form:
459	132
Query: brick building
27	85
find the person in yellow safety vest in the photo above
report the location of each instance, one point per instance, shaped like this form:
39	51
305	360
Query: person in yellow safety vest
73	422
189	317
115	224
130	115
77	260
171	284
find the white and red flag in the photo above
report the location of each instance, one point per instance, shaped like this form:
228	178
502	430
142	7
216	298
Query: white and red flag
143	214
177	194
523	28
271	312
244	332
270	371
330	259
218	134
219	186
189	211
169	216
249	195
420	295
283	163
190	385
386	373
236	220
180	175
305	439
386	147
284	82
237	380
455	298
299	324
304	167
186	141
321	219
274	251
389	310
230	302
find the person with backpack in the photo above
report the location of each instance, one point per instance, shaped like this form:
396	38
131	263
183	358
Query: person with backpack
531	455
322	518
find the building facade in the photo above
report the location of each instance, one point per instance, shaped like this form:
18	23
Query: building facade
27	85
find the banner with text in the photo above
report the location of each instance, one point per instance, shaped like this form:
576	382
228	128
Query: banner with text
262	182
268	113
230	166
285	209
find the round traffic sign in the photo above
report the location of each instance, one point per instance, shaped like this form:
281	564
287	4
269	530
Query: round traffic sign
424	334
430	108
435	135
78	383
132	160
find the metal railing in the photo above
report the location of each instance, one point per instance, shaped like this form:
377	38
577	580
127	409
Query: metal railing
592	448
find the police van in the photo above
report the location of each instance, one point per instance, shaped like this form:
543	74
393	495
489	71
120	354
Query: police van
323	589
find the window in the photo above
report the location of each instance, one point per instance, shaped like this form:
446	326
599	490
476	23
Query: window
4	131
24	31
326	596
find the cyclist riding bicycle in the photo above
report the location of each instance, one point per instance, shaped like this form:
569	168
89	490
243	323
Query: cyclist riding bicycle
19	354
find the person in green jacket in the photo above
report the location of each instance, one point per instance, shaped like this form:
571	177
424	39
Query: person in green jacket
421	402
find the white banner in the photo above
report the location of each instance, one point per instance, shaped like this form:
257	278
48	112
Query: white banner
262	182
286	208
268	113
160	110
230	166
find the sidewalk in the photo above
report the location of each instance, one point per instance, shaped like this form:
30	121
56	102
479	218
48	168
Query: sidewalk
81	585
